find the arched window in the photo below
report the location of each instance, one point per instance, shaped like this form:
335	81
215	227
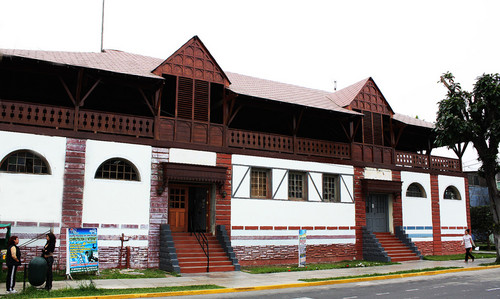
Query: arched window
451	193
415	190
117	169
24	161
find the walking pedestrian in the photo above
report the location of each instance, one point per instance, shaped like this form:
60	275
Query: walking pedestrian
469	243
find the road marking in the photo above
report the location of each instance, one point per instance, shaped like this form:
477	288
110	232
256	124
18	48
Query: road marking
495	289
412	290
353	297
381	294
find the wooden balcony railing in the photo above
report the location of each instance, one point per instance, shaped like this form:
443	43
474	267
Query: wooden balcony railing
214	134
64	118
260	141
422	161
115	123
285	144
28	114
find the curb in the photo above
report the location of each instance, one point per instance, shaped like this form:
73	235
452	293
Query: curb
284	286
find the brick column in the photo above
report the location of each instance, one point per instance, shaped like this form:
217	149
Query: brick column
436	216
72	202
223	205
467	202
158	206
360	202
397	204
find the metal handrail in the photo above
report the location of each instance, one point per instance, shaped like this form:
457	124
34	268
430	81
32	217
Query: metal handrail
38	237
203	241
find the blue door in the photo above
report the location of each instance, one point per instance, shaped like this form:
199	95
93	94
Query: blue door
377	219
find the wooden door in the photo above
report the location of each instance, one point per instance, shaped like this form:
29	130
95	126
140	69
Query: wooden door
178	208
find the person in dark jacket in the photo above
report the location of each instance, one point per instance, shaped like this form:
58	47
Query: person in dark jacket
48	255
13	260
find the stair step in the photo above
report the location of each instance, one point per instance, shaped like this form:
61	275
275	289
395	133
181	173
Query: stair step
204	263
395	249
204	269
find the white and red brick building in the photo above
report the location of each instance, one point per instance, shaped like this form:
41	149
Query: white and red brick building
125	143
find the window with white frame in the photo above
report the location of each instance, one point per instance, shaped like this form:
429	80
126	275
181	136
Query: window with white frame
297	189
331	188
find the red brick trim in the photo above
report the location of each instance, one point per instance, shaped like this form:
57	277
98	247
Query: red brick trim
436	216
309	228
74	182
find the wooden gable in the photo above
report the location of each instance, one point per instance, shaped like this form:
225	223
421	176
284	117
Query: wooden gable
193	60
371	99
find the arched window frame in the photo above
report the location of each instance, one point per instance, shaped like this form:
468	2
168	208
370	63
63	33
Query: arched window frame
25	161
420	188
124	171
452	193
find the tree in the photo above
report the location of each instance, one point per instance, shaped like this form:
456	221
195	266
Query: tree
482	224
474	117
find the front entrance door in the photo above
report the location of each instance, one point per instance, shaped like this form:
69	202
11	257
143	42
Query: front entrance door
188	208
198	207
377	213
177	208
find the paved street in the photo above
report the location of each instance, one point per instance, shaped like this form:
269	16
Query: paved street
476	284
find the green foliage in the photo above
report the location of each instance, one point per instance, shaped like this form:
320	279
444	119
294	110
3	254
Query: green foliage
91	290
312	267
379	274
482	223
471	117
453	257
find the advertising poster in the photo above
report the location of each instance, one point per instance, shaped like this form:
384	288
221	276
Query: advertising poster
82	250
302	247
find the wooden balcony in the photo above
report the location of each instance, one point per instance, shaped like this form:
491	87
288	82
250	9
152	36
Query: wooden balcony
64	118
188	131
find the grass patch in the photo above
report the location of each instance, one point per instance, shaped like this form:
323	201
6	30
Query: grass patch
312	267
379	274
461	256
104	274
90	290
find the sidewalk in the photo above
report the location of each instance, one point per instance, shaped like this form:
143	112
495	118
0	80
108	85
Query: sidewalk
240	279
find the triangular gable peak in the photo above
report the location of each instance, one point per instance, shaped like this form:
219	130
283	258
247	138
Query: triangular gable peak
371	99
193	60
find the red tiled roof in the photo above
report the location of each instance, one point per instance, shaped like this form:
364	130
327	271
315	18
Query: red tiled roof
346	95
139	65
283	92
109	60
412	121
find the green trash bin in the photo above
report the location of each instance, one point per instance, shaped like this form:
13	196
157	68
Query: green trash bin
37	271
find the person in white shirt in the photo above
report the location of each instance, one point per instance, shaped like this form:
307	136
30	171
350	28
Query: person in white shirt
469	243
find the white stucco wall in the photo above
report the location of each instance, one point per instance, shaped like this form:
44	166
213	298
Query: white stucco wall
417	211
41	193
178	155
279	168
116	201
453	212
280	212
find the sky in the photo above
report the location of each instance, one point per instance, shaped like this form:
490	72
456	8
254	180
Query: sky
403	45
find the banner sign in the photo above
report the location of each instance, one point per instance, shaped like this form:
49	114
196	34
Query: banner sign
81	251
302	247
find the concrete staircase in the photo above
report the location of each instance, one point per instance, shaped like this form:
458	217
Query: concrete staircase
395	249
192	258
